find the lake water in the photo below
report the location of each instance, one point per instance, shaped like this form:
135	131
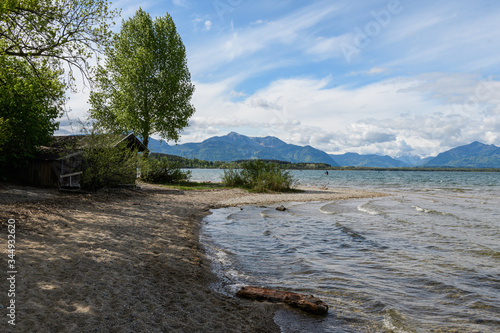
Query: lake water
426	258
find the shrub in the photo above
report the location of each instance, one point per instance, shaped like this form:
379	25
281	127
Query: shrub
233	178
259	176
163	171
106	164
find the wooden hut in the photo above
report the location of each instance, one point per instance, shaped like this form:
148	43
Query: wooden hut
60	163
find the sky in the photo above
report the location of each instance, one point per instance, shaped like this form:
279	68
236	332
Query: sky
388	77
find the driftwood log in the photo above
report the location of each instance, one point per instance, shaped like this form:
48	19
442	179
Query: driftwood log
307	303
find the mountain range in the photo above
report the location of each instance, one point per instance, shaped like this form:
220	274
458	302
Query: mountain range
234	146
474	155
377	161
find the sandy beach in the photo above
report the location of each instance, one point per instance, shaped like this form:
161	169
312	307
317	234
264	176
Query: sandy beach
125	261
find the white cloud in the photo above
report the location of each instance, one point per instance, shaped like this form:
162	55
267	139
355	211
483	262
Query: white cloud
182	3
258	22
387	117
329	47
377	70
457	36
208	25
426	83
371	71
245	43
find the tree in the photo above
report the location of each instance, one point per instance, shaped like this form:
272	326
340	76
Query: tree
145	86
28	109
70	31
36	38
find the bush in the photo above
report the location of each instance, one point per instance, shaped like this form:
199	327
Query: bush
233	178
106	164
163	171
259	176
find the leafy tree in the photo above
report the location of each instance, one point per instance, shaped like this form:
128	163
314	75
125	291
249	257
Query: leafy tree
28	109
36	38
145	85
70	31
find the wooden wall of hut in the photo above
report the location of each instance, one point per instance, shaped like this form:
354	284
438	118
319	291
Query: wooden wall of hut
39	173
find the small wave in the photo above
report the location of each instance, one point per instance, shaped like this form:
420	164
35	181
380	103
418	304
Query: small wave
330	209
431	211
481	305
234	288
350	232
231	216
396	322
222	257
273	213
420	209
333	208
235	275
486	252
367	208
265	213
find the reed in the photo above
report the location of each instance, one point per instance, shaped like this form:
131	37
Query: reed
259	176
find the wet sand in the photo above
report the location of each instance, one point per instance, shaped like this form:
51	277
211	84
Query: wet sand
125	261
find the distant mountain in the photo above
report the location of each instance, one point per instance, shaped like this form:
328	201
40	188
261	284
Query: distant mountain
474	155
234	146
413	160
377	161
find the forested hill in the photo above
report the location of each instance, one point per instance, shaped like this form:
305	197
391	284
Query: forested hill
474	155
234	146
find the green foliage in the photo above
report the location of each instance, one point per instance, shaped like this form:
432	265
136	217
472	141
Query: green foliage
163	171
106	163
29	105
234	178
145	85
259	176
36	38
56	30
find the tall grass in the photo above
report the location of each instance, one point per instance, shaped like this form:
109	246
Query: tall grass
259	176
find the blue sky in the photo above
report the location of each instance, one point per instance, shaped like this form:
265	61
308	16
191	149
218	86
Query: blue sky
385	77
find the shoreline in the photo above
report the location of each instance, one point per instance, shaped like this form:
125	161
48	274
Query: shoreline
128	260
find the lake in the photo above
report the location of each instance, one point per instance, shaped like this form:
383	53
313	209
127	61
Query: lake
426	258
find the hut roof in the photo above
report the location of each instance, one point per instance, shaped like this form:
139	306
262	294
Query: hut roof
68	144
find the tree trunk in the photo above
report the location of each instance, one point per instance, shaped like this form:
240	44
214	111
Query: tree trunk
307	303
145	141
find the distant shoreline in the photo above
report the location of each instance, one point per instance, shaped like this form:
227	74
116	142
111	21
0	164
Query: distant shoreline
347	168
194	163
417	169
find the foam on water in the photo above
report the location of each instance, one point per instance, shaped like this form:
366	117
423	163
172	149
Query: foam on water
367	208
